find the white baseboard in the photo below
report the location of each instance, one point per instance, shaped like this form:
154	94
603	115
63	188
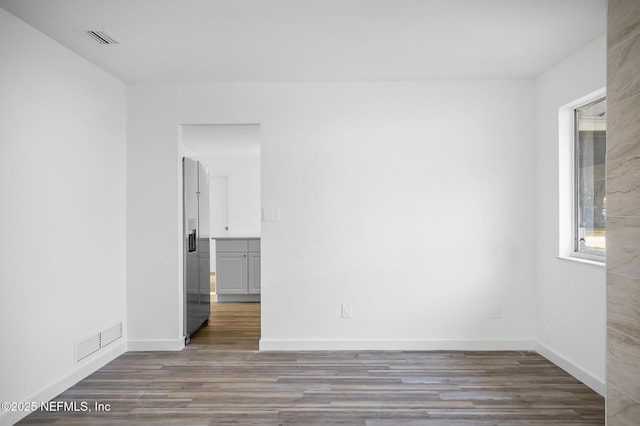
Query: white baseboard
156	345
81	370
585	377
396	345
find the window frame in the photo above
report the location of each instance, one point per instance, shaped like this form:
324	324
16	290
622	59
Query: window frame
575	229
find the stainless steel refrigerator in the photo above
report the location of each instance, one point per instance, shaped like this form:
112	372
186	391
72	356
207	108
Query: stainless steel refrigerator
197	307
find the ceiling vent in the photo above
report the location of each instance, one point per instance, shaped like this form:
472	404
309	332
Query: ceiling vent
100	37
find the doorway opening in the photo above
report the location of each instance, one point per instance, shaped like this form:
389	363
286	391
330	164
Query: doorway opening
231	154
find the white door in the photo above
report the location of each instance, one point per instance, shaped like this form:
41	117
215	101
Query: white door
219	203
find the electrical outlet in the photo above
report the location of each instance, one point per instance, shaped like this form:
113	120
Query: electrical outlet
496	311
346	310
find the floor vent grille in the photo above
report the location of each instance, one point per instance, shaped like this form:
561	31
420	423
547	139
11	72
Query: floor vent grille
87	347
111	334
93	344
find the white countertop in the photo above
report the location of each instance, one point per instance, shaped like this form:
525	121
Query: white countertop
235	237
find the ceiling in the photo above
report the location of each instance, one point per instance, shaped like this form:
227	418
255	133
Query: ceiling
319	40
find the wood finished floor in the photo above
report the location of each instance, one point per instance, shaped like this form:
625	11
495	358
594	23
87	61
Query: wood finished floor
221	378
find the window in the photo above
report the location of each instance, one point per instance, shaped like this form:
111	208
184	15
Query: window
590	179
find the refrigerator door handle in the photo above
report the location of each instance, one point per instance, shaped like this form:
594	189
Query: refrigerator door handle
192	241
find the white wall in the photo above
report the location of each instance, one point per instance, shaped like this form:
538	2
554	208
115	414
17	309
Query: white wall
243	174
571	303
154	223
62	220
411	201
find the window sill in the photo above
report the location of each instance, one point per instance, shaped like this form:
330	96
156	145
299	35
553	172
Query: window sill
600	263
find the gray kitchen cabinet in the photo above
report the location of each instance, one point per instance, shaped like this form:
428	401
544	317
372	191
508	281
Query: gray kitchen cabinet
254	273
238	270
232	273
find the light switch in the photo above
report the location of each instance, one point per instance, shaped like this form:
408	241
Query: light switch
271	214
